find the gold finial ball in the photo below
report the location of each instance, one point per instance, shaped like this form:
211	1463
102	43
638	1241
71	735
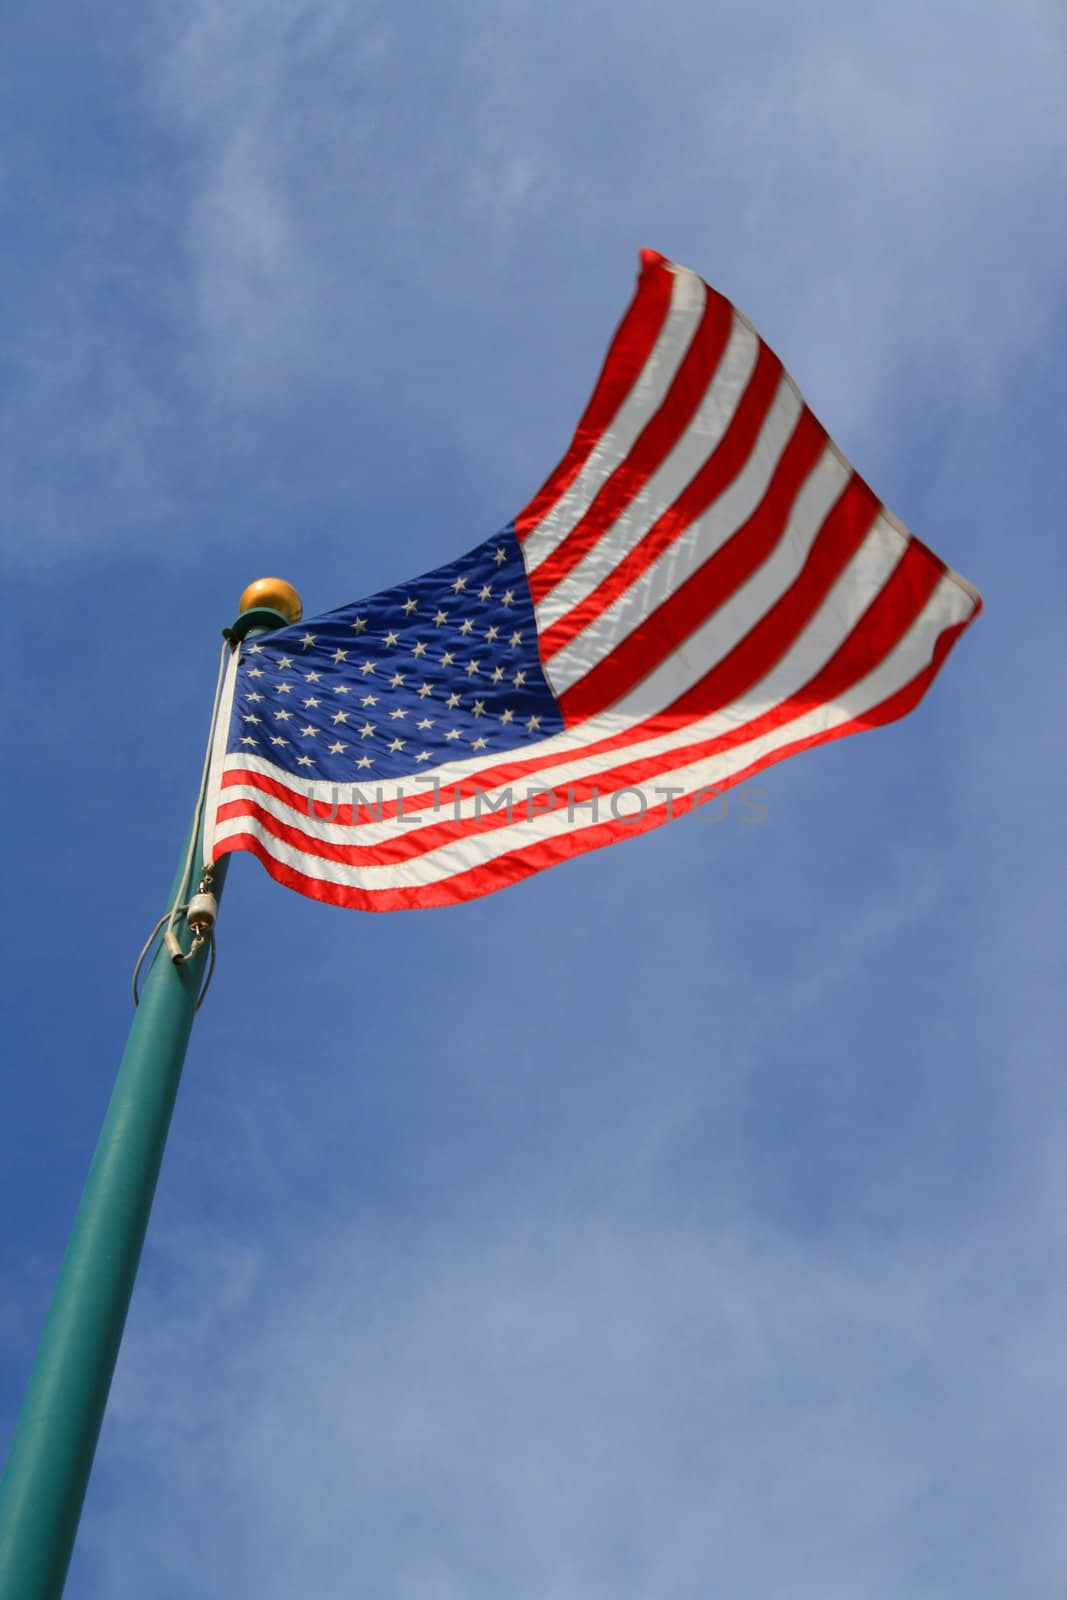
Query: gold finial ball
275	593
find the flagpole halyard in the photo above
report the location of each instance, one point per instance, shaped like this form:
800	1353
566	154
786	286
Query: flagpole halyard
51	1454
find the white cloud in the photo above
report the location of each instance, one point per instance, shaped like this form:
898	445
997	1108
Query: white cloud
434	216
572	1410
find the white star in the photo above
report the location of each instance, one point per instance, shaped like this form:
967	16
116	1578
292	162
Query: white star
282	716
285	688
312	677
339	656
452	702
472	667
255	672
396	744
516	639
532	724
364	761
255	696
277	739
447	659
498	673
396	680
441	616
250	716
308	640
368	699
335	749
304	761
368	666
519	679
423	755
490	634
309	732
391	639
398	715
339	716
484	593
254	649
479	744
466	626
342	688
424	690
310	701
500	555
248	739
366	730
419	649
508	597
425	722
360	625
477	708
410	606
506	716
453	733
460	583
285	661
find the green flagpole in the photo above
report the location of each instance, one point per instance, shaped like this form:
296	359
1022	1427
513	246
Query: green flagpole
52	1450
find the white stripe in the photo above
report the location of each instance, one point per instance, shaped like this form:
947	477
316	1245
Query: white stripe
869	570
688	298
727	626
947	605
223	718
674	474
687	554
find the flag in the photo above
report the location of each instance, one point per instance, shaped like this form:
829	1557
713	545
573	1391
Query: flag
702	587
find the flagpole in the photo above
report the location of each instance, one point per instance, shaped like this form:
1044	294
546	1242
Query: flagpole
52	1450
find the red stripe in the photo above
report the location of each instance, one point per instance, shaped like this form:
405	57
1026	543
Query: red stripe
629	351
877	632
349	815
759	651
721	468
887	619
526	860
663	632
652	446
749	661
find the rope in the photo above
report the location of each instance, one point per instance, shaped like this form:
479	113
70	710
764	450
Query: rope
197	944
149	942
181	904
170	938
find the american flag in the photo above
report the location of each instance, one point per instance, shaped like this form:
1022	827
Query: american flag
702	587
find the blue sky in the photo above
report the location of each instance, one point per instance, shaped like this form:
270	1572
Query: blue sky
684	1222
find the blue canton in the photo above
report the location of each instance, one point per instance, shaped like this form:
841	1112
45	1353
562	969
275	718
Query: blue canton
437	670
